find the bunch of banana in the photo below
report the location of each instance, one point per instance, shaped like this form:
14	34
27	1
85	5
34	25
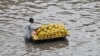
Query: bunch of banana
51	31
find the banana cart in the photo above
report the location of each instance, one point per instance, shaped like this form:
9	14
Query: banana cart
50	31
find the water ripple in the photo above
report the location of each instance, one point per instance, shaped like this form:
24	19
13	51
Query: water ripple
81	17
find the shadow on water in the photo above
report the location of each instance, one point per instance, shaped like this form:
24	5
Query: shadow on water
47	44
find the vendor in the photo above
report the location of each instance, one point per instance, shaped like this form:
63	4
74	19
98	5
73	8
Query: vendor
29	28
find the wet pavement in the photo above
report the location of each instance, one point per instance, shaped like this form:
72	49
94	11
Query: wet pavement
81	17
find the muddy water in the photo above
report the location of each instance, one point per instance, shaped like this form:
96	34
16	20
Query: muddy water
81	17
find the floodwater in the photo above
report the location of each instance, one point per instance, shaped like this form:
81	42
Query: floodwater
81	17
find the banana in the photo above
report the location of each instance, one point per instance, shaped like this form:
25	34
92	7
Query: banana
51	31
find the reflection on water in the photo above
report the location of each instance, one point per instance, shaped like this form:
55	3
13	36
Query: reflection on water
81	17
48	44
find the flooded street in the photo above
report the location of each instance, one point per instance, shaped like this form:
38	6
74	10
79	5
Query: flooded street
81	17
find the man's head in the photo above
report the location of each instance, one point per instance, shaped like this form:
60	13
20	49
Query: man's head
31	20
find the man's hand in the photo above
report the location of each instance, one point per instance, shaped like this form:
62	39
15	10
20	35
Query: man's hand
34	33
